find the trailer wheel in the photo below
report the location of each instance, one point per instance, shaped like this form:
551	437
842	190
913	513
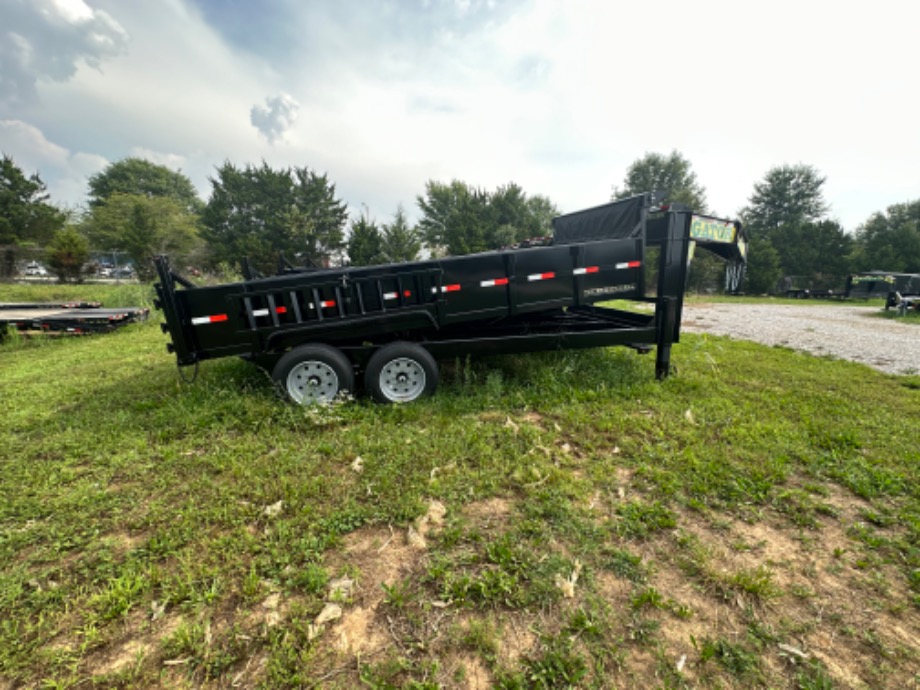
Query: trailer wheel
312	374
401	372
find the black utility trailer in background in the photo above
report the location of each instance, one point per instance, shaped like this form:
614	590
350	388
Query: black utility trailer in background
316	329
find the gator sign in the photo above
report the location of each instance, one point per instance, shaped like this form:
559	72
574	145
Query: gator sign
712	230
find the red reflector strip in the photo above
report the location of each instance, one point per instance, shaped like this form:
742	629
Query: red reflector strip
215	318
448	288
588	269
541	276
407	293
328	303
281	310
630	264
493	283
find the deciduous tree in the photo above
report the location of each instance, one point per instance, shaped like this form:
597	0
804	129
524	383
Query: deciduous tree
143	178
890	241
143	227
670	175
788	195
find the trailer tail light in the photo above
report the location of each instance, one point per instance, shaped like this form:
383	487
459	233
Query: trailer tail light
214	318
541	276
494	283
630	264
587	269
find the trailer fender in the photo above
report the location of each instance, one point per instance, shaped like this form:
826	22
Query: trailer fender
314	373
401	372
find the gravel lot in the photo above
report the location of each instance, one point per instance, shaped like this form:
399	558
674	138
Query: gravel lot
841	331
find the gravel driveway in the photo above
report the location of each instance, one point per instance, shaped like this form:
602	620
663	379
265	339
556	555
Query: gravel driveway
842	331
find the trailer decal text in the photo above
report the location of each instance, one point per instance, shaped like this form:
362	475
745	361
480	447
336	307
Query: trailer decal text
609	290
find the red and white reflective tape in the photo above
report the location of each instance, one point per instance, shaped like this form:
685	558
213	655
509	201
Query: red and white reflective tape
214	318
494	283
630	264
586	269
394	295
541	276
264	312
455	287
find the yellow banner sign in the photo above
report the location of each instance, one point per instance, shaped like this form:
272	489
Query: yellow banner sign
712	230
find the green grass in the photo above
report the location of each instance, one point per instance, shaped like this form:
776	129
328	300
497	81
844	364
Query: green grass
138	550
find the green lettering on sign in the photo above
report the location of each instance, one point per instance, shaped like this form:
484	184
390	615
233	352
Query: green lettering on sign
712	230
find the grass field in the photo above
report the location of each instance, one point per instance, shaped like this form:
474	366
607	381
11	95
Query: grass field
545	521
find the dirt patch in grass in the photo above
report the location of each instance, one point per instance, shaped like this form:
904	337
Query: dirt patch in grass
140	640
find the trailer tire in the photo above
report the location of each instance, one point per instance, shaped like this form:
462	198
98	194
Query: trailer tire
314	373
401	372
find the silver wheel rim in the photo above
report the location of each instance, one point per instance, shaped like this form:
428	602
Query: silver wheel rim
402	380
312	382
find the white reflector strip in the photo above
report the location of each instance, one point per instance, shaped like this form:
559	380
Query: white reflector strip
260	312
493	283
541	276
201	320
327	303
390	295
588	269
630	264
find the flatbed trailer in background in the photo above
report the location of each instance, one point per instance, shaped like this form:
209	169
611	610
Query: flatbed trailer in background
316	329
70	318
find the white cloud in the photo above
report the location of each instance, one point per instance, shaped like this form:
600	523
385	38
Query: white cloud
64	172
275	117
47	40
173	161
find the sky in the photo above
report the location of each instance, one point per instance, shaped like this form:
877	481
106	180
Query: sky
384	95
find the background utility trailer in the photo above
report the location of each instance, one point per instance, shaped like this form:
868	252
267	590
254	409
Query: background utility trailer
314	329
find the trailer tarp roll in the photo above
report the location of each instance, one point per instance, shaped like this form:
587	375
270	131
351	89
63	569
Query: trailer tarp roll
616	220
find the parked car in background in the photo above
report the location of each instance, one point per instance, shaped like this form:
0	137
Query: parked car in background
33	268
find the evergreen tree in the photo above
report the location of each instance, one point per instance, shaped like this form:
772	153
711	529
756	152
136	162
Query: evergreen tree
400	242
364	243
67	254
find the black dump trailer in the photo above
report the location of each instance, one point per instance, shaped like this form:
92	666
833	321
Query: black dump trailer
317	330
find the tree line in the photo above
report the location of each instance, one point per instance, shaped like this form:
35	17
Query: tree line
142	209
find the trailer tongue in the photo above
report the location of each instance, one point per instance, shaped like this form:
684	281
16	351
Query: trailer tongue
315	330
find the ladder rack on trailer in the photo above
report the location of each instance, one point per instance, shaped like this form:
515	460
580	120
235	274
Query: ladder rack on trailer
314	330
